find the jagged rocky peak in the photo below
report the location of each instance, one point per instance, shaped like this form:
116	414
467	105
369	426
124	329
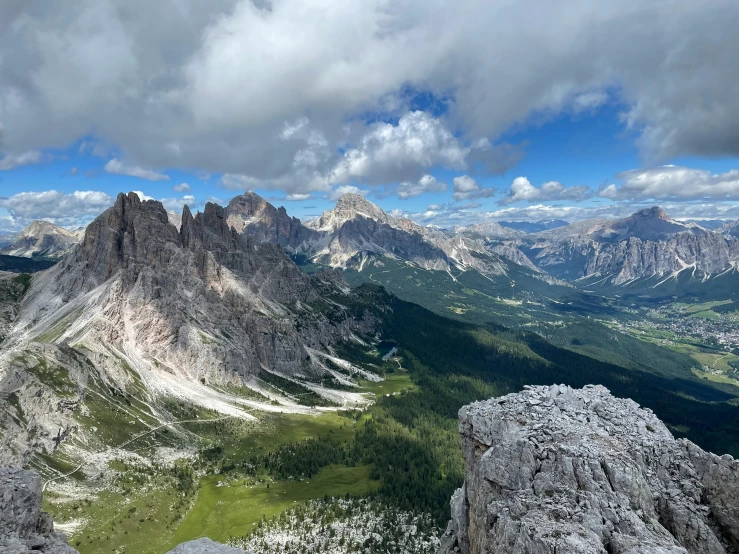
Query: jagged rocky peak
24	528
130	234
252	216
348	207
730	228
203	302
42	238
554	469
247	208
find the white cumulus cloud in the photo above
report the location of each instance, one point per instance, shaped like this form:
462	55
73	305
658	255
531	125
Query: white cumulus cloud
390	152
345	189
297	197
57	207
117	167
523	191
182	187
427	183
674	182
465	187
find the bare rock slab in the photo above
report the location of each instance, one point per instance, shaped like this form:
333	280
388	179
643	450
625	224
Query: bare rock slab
554	469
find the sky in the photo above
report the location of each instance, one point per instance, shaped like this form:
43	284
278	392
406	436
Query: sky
447	111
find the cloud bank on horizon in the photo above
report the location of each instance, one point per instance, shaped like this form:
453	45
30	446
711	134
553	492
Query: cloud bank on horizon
418	104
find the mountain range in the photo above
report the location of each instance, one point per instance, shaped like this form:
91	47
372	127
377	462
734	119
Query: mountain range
219	300
645	253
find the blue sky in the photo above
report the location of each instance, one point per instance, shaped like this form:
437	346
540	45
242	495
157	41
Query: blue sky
509	113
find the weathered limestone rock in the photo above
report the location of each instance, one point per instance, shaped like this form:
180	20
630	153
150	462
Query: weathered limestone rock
23	526
552	469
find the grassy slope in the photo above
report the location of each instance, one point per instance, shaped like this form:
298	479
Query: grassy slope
470	296
230	511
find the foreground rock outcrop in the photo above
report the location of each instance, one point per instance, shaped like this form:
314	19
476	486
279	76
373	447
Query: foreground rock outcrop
553	469
23	526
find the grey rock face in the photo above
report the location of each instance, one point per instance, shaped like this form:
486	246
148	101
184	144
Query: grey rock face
730	228
553	469
42	238
11	292
23	526
205	546
203	301
252	216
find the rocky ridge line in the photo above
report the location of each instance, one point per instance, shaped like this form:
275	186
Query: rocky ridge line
553	469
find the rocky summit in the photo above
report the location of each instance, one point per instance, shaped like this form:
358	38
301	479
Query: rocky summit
23	526
554	469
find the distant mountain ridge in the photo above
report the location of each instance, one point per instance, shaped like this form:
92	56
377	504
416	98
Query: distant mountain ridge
534	226
353	230
644	248
42	239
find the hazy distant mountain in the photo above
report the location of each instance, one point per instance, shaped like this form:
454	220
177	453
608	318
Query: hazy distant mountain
644	248
42	239
7	238
354	229
647	244
536	226
730	228
710	224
